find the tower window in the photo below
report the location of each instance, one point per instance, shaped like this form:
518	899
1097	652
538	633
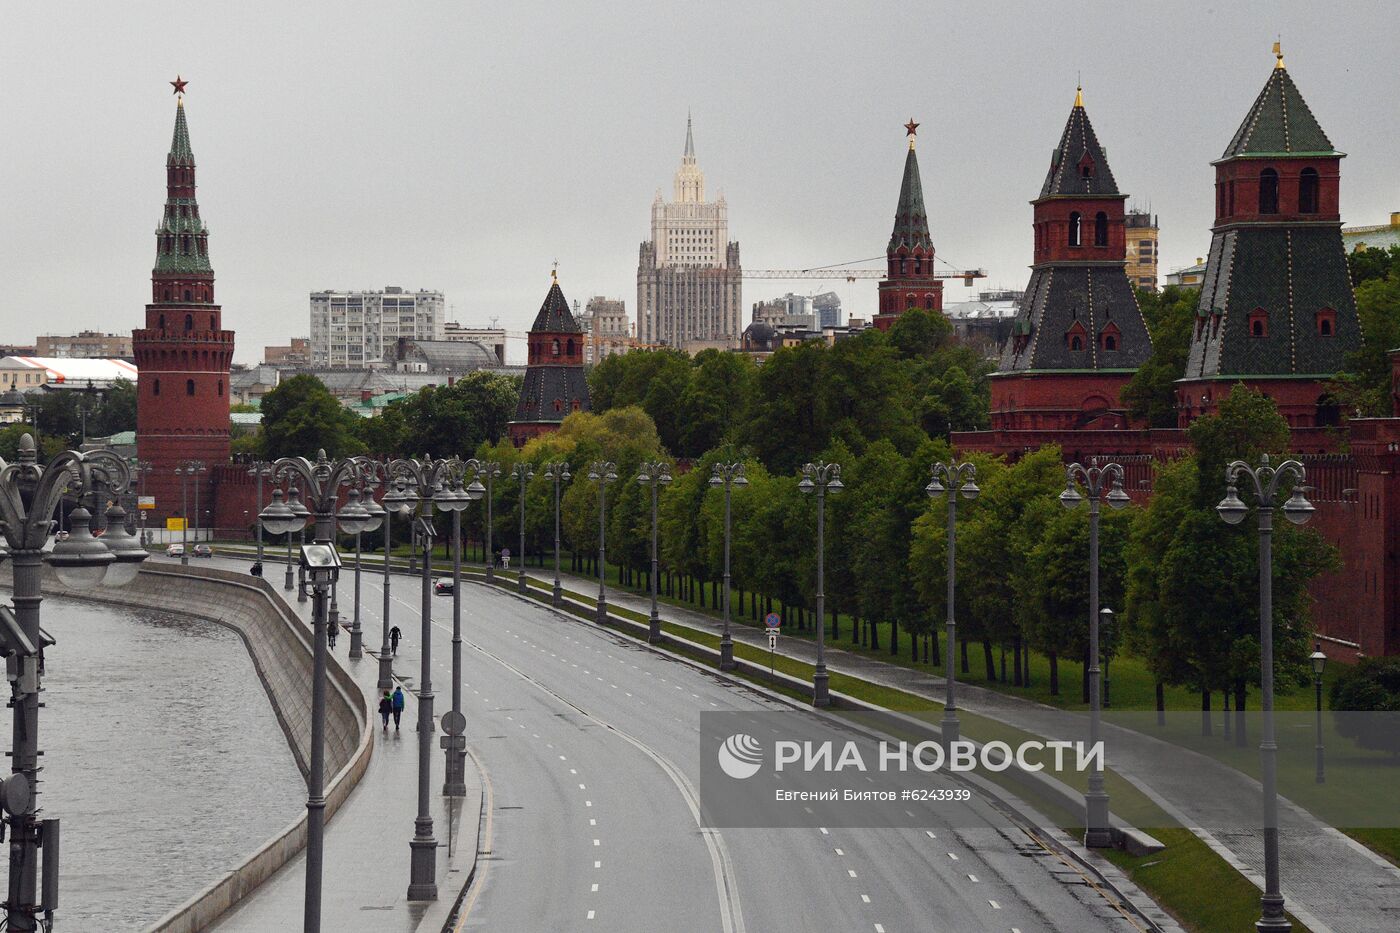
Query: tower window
211	322
189	318
1327	323
221	388
569	347
576	406
189	387
1307	191
554	347
1101	229
1258	323
189	296
558	405
155	387
162	319
1075	336
1268	191
1075	224
1076	342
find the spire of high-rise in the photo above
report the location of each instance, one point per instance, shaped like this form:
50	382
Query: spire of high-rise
690	181
689	140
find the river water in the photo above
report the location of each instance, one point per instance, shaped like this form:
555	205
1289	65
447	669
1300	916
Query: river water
162	757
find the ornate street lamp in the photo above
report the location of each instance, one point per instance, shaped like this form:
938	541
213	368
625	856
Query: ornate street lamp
820	478
423	488
960	478
260	469
489	470
557	473
454	783
1097	832
602	472
524	472
30	494
188	470
654	475
1266	480
727	475
322	479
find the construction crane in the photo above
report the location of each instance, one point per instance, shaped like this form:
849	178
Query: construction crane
838	271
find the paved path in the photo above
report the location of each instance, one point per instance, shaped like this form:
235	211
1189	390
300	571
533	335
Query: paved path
365	873
1330	882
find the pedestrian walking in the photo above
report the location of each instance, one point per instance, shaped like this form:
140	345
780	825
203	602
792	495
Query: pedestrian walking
386	706
332	630
394	636
398	701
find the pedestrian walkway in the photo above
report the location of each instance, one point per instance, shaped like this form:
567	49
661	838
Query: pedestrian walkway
1330	882
365	872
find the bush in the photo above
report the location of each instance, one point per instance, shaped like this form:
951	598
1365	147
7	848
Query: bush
1372	686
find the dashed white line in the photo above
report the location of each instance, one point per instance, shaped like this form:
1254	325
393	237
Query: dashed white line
995	905
590	915
972	878
597	842
953	856
929	833
865	898
594	889
839	852
851	872
879	928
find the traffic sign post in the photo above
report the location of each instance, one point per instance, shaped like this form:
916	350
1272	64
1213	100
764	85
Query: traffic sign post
773	620
505	558
772	642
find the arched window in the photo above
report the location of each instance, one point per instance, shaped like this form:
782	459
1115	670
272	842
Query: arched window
155	387
1100	229
211	322
162	322
1307	191
577	405
189	322
166	295
554	347
1268	191
188	295
569	347
558	405
1074	228
1326	322
1076	342
189	387
221	388
1258	323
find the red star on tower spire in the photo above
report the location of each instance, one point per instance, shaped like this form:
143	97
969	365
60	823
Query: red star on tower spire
911	127
179	85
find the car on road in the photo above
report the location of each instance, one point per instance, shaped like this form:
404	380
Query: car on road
175	550
443	587
203	550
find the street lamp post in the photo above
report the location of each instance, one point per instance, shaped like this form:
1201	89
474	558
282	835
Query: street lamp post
1319	663
557	472
423	485
260	469
727	475
140	469
323	479
602	472
455	780
1097	832
188	470
29	496
820	477
489	470
375	516
654	475
523	472
392	487
1266	480
959	478
295	504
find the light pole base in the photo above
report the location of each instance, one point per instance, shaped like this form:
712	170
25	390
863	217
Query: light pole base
951	729
558	595
1097	834
602	617
490	570
522	584
1273	920
422	885
726	653
821	693
386	671
287	580
455	784
653	629
301	594
357	643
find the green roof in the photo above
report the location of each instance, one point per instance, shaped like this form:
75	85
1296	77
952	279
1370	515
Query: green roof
1279	124
180	151
910	219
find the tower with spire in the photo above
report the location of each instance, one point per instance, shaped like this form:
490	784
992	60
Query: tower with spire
555	386
1276	310
183	353
909	257
688	275
1079	335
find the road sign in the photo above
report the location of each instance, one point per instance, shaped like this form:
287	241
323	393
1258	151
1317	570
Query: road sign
772	639
146	503
772	620
457	743
453	722
174	524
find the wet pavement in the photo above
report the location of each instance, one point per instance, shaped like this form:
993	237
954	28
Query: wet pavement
162	758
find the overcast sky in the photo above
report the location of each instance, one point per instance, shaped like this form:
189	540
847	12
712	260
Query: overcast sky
466	146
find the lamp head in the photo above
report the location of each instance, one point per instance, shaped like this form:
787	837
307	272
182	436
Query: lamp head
1317	659
1298	509
375	513
474	490
1070	497
1232	509
80	562
934	489
970	490
1116	497
352	517
125	548
806	485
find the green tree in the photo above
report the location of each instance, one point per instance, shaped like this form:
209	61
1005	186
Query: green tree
445	420
300	417
789	420
716	400
1364	386
115	411
1170	315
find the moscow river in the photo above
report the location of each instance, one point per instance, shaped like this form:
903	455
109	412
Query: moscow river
162	758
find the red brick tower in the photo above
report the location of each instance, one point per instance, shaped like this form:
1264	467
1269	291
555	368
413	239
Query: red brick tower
555	385
1276	310
909	281
183	353
1079	336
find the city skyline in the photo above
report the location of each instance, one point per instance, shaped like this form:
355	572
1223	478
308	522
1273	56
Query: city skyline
505	166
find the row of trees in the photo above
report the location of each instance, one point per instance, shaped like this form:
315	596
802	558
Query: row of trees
65	417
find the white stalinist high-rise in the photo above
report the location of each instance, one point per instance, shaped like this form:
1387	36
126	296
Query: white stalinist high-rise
688	293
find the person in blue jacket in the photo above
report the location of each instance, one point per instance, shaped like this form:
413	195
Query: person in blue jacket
398	706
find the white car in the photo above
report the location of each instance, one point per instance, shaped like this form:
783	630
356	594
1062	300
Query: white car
175	550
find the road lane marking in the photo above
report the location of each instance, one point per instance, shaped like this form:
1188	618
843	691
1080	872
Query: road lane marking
590	915
594	888
995	905
953	856
839	852
851	872
972	878
879	928
929	833
865	898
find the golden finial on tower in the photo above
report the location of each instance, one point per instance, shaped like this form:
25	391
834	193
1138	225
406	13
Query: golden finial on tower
1079	96
1278	54
554	272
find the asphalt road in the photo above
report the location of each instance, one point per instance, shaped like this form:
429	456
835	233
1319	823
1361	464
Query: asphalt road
589	743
